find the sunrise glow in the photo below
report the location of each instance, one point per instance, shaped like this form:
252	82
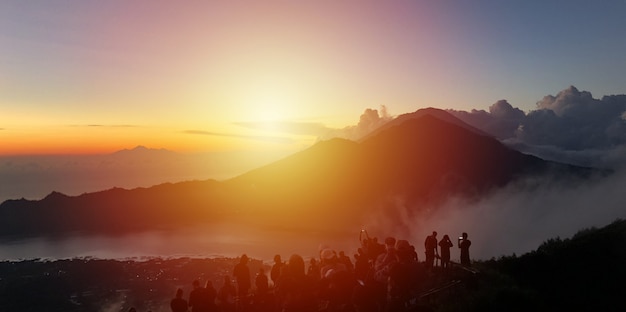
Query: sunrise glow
101	77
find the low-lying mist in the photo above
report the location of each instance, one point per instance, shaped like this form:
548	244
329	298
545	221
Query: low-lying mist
514	219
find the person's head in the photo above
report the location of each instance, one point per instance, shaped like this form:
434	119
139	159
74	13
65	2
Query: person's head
403	245
342	254
296	265
244	259
446	237
195	283
179	293
132	310
278	259
208	284
404	249
434	233
390	242
464	235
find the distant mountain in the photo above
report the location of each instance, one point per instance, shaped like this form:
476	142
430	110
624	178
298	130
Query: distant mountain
112	211
143	151
333	184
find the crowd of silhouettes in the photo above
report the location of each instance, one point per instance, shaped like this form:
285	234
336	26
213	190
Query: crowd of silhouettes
383	277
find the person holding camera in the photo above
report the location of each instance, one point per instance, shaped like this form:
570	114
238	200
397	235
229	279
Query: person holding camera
464	244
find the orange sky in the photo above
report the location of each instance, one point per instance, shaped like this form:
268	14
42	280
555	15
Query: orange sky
93	76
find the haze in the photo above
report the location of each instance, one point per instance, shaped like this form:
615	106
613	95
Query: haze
102	94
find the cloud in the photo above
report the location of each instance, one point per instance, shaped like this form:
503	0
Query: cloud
289	127
368	122
105	126
571	127
574	120
273	139
502	120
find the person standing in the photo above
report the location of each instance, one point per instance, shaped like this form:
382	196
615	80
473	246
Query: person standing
261	283
298	289
196	297
210	293
430	244
226	296
275	272
178	304
464	244
242	275
444	245
382	266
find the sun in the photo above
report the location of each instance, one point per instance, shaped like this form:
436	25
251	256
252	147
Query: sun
270	107
270	100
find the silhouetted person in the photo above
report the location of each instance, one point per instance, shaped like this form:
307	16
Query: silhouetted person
337	282
375	249
209	295
464	244
226	296
382	266
298	290
414	254
361	266
444	245
346	261
178	304
313	271
196	298
242	275
275	272
261	282
401	277
132	310
430	244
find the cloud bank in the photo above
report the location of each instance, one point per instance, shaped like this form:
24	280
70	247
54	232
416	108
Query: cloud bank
513	220
571	127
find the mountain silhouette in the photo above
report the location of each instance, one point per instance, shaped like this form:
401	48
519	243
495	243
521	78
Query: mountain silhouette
422	160
434	112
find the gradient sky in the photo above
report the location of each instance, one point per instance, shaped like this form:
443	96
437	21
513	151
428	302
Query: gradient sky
90	76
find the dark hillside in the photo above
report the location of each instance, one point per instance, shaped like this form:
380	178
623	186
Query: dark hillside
113	211
584	273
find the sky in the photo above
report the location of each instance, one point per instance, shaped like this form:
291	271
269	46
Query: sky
86	76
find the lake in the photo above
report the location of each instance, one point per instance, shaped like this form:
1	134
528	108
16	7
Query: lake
226	240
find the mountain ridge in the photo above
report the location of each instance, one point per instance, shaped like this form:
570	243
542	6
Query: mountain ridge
332	184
